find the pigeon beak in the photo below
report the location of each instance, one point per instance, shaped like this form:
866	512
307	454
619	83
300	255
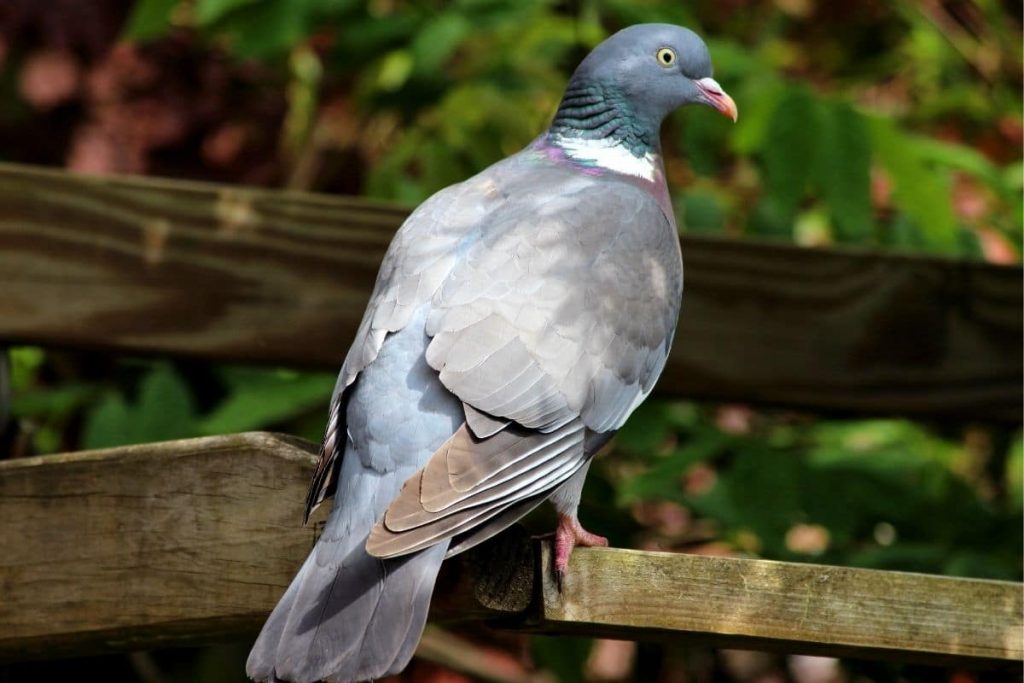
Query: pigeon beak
717	98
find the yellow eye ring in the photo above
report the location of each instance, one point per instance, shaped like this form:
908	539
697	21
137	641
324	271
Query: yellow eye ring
666	56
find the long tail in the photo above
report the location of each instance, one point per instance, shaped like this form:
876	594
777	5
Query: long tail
347	616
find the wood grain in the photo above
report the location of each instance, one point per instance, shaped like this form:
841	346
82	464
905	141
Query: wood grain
194	541
783	606
132	265
133	547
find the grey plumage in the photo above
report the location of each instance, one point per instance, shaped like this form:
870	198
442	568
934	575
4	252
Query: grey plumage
518	319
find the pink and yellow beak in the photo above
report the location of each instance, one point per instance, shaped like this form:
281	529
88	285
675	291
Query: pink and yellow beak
717	98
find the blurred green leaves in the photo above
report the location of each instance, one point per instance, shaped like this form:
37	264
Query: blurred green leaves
150	19
883	493
844	170
855	127
789	150
162	406
257	398
921	190
444	89
162	410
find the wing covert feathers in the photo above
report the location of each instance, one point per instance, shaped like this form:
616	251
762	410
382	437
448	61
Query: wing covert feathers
563	309
469	481
481	424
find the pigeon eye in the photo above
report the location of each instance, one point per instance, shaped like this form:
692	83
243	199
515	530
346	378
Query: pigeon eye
666	56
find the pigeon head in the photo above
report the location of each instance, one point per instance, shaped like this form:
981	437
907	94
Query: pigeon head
628	84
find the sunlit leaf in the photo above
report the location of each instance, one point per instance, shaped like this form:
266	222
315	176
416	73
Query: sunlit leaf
261	398
395	70
921	190
149	19
25	362
267	28
757	102
210	11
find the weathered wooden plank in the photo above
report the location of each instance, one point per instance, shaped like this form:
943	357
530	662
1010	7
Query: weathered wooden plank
147	266
194	540
784	606
162	543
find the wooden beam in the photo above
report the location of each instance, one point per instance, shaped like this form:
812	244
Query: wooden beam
136	265
194	540
784	606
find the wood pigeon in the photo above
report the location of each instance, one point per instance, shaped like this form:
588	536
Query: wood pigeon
518	318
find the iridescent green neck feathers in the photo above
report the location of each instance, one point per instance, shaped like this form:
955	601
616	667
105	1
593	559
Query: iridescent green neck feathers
591	111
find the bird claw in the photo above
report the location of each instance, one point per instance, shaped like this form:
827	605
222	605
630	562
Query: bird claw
569	534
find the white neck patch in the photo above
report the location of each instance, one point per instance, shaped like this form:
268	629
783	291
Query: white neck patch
609	155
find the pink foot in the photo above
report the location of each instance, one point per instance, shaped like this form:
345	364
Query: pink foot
569	534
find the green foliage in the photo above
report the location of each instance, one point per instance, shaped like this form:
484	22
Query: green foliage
864	141
562	656
790	156
163	410
843	167
150	19
921	189
258	398
887	493
455	86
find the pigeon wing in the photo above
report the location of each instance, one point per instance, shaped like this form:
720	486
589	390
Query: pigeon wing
553	326
421	254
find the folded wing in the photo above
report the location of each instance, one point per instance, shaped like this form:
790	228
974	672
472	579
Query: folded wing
554	325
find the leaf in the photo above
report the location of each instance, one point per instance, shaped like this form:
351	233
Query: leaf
701	213
789	149
395	70
921	191
844	170
760	491
261	398
108	424
55	402
25	362
210	11
268	28
149	19
1014	474
662	479
165	409
438	40
646	429
563	656
757	102
704	136
770	220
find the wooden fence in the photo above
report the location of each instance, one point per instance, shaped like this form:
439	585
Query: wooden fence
135	265
193	541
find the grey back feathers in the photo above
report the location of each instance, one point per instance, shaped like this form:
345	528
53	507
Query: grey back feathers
519	317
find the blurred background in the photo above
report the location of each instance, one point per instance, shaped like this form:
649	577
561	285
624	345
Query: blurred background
887	125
